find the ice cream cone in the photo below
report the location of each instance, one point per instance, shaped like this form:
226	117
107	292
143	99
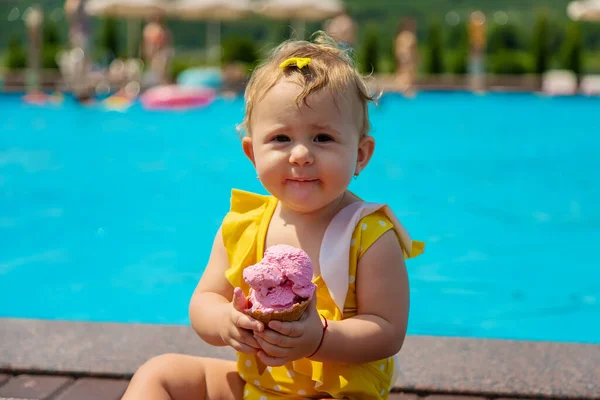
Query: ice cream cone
293	314
282	277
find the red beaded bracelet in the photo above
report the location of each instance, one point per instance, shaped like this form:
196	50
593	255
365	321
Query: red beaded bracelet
322	337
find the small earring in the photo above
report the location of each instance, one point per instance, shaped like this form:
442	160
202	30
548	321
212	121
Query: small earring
355	176
258	177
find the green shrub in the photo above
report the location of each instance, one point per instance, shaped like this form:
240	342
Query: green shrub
571	57
459	60
368	60
50	35
15	54
109	39
456	35
49	53
540	44
506	37
592	63
459	64
387	65
239	49
435	64
507	62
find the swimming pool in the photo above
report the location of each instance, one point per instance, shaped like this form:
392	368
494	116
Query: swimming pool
109	216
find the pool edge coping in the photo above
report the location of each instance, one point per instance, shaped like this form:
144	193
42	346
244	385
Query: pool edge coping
428	364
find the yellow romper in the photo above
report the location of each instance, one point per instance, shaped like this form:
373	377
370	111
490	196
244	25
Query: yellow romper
244	231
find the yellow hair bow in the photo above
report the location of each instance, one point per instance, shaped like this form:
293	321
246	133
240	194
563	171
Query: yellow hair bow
297	61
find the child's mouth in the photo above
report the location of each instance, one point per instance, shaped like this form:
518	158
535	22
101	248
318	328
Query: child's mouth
303	180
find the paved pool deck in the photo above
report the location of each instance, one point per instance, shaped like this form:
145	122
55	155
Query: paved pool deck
42	359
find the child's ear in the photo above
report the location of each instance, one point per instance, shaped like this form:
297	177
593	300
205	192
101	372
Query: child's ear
366	147
248	150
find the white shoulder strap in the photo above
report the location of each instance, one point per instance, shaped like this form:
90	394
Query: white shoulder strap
335	248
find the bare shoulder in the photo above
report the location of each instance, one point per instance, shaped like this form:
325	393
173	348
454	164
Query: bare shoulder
384	254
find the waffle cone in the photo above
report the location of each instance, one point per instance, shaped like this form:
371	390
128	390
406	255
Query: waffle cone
293	314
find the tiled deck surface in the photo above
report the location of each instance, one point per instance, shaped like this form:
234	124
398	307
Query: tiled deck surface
48	387
72	360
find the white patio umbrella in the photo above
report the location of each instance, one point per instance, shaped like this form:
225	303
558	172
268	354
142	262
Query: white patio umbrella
136	9
213	12
299	11
222	10
584	10
131	10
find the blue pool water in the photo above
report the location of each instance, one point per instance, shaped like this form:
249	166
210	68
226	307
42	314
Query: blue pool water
109	216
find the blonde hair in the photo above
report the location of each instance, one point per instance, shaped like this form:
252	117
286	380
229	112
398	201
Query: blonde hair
331	68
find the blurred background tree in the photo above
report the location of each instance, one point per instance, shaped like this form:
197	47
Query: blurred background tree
435	54
369	51
571	54
540	46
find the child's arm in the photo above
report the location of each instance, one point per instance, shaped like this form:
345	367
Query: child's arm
382	292
214	311
376	332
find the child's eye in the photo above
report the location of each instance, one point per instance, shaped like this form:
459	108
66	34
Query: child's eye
322	137
281	138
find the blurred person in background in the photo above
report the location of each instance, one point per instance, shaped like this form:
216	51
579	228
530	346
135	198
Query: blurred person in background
406	51
234	79
477	39
342	28
33	21
156	51
78	55
78	24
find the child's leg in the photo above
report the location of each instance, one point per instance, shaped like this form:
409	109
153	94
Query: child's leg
181	377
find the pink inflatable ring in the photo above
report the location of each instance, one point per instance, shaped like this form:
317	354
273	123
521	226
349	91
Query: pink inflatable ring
175	97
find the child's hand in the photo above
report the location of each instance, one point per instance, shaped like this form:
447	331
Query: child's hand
238	329
290	341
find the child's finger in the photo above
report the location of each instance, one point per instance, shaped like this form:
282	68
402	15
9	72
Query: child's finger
277	339
292	329
272	350
246	337
243	348
239	300
271	361
243	321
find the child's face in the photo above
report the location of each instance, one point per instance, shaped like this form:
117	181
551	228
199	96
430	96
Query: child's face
306	155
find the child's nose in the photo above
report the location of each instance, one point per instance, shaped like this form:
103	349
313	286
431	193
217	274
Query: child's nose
301	155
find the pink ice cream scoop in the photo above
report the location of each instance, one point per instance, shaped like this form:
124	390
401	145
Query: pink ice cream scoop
281	279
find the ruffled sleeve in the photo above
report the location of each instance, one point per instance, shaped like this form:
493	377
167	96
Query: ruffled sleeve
417	249
240	229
